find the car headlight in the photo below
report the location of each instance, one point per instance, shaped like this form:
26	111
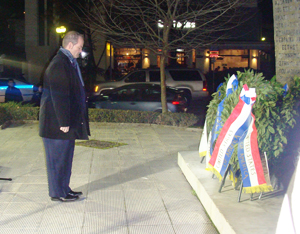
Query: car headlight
96	88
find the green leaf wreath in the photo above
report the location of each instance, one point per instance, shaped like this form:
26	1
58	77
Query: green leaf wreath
274	112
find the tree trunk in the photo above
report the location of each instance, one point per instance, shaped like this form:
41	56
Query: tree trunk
90	69
163	82
163	57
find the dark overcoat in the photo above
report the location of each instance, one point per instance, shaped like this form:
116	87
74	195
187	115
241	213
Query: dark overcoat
63	102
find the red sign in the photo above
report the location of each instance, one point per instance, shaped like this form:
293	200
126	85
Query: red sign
214	54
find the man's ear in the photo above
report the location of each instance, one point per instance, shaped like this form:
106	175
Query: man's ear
70	45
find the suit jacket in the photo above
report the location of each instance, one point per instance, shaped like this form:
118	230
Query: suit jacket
63	102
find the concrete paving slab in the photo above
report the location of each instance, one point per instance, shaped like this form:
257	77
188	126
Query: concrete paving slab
152	229
145	218
135	188
190	228
105	229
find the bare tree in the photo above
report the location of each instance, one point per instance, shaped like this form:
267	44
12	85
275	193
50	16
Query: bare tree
164	25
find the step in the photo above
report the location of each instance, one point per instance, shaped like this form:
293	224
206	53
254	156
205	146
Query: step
228	215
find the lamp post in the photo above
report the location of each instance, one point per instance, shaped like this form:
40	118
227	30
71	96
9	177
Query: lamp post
213	55
61	31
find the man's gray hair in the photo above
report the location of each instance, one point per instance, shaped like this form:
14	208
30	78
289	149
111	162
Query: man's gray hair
71	36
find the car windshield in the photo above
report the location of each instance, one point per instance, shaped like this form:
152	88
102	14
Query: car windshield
119	78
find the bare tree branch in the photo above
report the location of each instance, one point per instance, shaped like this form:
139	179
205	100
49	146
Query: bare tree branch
164	25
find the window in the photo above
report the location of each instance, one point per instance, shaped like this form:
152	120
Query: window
151	95
139	76
126	94
154	76
180	58
185	75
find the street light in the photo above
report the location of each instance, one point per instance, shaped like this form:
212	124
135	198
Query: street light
61	30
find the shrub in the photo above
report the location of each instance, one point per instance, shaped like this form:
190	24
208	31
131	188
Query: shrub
126	116
4	116
121	116
15	112
176	119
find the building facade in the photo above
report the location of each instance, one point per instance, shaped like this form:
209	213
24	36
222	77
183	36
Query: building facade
245	50
41	40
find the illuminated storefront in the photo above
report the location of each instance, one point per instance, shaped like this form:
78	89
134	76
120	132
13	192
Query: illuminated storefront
231	56
127	59
227	59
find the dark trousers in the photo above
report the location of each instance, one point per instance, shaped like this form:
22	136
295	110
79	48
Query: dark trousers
59	158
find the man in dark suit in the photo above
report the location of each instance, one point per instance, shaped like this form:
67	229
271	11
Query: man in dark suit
63	116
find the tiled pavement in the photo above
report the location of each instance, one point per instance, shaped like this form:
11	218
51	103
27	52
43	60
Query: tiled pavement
137	188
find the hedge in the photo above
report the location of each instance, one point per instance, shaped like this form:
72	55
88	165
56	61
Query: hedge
15	112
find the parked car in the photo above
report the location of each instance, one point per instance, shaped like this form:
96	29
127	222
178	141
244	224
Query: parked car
191	81
141	97
25	88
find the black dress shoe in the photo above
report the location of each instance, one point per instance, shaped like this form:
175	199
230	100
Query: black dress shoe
73	193
68	198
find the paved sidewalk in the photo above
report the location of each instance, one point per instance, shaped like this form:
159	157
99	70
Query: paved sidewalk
137	188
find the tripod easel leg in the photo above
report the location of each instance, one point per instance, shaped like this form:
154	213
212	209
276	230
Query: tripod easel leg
202	159
10	179
223	180
240	193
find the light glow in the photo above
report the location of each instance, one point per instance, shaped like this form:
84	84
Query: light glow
187	24
61	29
177	24
84	54
214	54
19	87
160	24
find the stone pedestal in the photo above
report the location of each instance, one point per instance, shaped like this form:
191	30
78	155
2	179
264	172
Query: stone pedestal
287	39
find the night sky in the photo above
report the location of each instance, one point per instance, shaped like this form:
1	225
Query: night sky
14	8
266	8
18	5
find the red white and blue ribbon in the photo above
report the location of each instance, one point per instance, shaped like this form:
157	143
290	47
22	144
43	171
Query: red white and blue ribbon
240	129
234	127
205	145
250	163
231	86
